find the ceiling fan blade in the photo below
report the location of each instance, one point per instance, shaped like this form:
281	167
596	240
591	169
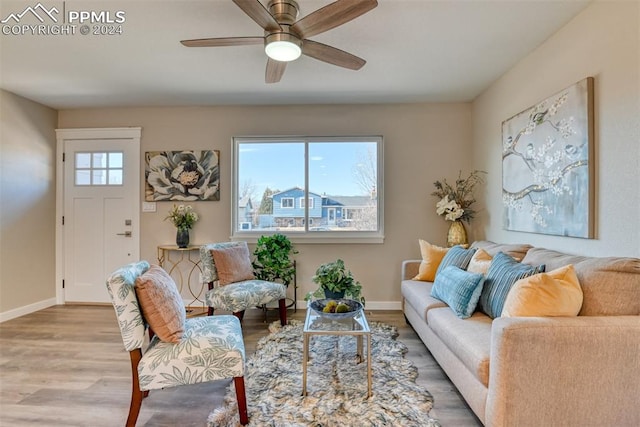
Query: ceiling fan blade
331	16
275	70
326	53
223	41
258	13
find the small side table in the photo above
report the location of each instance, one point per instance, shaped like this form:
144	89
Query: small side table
189	258
315	324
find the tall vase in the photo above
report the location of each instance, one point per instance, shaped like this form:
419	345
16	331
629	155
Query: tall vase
182	237
457	235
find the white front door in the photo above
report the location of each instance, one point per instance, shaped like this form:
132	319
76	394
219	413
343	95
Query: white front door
101	228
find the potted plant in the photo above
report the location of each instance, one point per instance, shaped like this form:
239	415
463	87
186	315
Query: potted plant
273	259
335	282
183	217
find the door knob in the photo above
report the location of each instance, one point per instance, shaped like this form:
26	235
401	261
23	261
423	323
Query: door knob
125	234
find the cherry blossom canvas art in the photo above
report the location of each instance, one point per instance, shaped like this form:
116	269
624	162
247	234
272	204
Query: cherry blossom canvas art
548	165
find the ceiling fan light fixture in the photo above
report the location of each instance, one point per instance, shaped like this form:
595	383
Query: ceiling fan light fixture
283	47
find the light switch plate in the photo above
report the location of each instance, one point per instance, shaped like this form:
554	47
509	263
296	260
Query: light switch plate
148	206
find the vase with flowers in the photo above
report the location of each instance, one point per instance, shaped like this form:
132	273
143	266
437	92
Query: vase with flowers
455	204
183	217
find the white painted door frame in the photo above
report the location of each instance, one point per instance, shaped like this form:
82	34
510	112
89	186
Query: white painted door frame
62	135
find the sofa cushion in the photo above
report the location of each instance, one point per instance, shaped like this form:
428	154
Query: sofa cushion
556	293
239	296
233	263
516	251
161	304
469	339
480	262
457	256
459	289
418	295
431	257
503	272
610	286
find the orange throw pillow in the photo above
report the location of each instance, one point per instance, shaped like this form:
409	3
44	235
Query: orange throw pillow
431	258
161	304
233	264
556	293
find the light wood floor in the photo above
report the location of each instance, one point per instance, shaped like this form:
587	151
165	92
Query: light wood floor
66	366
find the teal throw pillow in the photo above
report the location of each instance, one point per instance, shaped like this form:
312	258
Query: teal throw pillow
459	289
503	272
458	256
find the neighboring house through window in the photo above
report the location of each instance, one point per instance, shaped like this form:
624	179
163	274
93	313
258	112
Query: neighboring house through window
330	189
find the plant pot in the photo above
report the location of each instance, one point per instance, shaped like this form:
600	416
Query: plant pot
333	295
182	237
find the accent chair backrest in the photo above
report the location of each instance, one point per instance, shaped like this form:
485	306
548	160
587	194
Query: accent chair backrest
125	302
209	272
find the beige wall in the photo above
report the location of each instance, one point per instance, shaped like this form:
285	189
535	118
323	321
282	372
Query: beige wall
422	143
27	205
603	42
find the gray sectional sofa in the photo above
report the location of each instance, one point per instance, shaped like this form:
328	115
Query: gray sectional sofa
537	371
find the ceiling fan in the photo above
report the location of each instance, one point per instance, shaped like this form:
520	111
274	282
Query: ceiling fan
285	37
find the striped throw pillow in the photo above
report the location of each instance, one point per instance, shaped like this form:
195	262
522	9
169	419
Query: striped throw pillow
458	256
503	272
459	289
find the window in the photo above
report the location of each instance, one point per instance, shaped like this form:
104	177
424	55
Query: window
98	168
310	188
302	206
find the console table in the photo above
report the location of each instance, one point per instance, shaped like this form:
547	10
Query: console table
183	264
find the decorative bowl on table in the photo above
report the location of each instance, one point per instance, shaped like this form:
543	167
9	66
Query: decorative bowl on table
336	308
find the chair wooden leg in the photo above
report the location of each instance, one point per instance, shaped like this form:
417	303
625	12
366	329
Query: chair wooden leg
239	315
136	394
242	400
282	308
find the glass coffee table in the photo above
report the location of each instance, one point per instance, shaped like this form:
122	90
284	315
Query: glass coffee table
356	325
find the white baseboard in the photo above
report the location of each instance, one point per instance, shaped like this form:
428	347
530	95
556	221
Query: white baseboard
370	305
27	309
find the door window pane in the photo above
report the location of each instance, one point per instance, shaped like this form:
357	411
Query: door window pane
83	177
115	160
99	168
83	160
115	176
99	177
99	160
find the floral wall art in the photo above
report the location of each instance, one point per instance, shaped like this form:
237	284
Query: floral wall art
548	165
182	175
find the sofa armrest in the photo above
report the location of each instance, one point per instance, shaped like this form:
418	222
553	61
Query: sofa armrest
410	268
569	371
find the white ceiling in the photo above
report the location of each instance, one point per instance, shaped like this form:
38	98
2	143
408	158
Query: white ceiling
416	51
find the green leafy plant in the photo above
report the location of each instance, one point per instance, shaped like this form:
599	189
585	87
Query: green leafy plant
273	259
183	217
334	277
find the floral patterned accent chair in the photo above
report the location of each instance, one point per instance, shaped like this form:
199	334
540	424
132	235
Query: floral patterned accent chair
227	269
194	350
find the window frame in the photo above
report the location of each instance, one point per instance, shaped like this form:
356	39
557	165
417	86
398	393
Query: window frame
292	201
302	205
309	236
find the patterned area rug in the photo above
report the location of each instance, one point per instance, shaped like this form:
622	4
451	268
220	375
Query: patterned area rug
336	383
